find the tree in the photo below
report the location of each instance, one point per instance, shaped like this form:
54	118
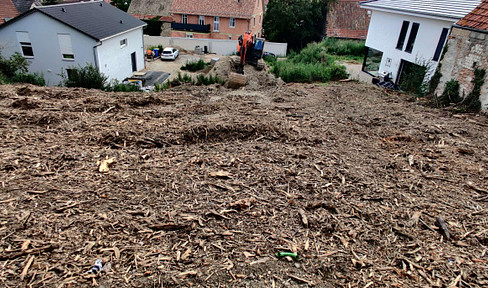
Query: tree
296	22
50	2
121	4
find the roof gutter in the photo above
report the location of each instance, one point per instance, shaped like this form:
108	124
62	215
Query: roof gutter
470	29
123	32
410	13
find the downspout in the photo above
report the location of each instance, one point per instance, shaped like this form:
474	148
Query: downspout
95	55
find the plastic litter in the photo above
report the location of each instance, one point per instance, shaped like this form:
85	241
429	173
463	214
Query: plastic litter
285	254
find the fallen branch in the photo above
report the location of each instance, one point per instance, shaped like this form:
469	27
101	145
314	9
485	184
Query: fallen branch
14	255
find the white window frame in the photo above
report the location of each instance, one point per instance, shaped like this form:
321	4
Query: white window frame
66	46
232	22
216	24
184	18
123	43
201	20
25	42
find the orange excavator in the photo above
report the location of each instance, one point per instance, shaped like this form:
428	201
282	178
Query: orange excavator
250	50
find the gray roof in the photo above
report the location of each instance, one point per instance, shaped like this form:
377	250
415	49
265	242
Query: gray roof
98	19
452	9
23	5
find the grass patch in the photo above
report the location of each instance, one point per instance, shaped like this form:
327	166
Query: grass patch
312	64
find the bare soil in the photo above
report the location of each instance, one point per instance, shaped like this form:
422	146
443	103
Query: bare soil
207	184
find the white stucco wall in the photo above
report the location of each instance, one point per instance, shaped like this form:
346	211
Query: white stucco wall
47	58
115	61
383	33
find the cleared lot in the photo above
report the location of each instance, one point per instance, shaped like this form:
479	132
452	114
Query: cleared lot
206	185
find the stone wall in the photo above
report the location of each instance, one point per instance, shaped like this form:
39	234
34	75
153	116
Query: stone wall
465	49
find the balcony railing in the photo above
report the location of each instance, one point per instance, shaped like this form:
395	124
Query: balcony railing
190	27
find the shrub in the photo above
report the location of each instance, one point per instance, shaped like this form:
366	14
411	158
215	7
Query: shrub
208	80
87	77
313	53
31	78
16	63
116	86
336	72
450	94
472	102
195	66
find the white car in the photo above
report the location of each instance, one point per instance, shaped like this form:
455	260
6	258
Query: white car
169	53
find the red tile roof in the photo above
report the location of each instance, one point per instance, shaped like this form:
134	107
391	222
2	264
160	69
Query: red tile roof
476	19
223	8
7	10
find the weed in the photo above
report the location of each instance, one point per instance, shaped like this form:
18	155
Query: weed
450	94
195	66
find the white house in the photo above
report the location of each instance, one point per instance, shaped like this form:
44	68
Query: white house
406	32
59	37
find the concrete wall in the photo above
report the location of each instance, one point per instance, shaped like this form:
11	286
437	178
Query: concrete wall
465	48
115	61
383	33
47	58
220	47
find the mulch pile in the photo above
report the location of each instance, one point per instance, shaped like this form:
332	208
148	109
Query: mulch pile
202	186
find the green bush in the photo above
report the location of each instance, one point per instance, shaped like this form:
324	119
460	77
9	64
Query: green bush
450	94
31	78
16	63
270	60
472	102
87	77
195	66
116	86
311	54
208	80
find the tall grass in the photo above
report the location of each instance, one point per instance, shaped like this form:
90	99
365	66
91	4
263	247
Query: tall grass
338	47
312	64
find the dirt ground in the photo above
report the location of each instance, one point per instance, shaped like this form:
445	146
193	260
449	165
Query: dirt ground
202	186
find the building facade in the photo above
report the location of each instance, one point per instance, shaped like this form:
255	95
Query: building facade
467	50
54	39
226	19
409	33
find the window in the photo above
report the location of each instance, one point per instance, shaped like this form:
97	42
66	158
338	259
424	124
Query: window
201	20
189	35
412	37
184	18
403	34
232	22
230	37
254	21
25	44
123	43
440	45
216	26
66	47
